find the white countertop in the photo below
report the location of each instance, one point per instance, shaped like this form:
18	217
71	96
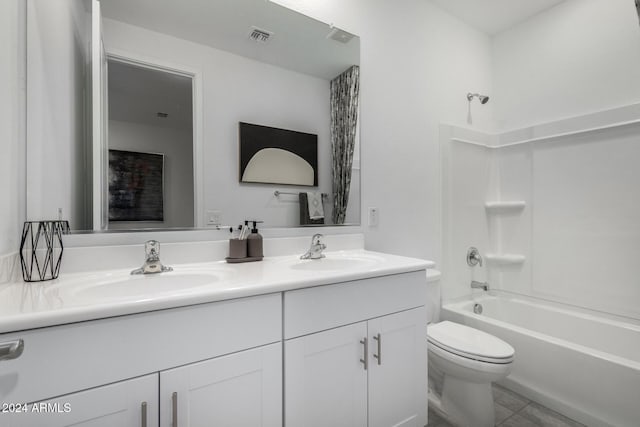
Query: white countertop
86	296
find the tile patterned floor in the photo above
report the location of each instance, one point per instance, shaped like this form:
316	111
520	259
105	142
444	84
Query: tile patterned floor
513	410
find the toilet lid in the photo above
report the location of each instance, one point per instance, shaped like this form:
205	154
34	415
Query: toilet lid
469	342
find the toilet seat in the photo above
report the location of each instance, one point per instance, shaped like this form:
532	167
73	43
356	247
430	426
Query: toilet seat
469	343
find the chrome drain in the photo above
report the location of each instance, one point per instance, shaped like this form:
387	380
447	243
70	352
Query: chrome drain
477	308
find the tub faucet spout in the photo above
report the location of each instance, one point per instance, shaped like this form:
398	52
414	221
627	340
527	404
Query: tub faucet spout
479	285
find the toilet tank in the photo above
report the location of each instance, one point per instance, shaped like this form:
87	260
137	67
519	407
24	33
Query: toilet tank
433	295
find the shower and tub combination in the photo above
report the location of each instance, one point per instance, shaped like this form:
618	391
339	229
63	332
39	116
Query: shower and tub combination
553	213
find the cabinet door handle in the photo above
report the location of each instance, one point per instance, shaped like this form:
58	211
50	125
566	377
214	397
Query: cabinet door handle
143	409
365	361
11	349
378	356
174	408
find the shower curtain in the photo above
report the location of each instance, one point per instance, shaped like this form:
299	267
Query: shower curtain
344	121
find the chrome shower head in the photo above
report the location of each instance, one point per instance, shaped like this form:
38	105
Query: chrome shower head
482	98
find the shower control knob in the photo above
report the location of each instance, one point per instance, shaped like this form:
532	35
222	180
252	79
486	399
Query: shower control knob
473	257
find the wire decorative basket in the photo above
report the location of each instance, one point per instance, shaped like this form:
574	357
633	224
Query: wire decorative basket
41	249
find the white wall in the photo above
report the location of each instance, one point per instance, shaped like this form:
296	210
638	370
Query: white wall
585	232
469	180
11	126
176	145
576	58
579	231
57	54
418	63
239	89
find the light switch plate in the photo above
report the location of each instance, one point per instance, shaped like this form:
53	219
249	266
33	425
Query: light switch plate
213	217
373	217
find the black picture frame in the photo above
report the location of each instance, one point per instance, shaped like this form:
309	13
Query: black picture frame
255	138
136	186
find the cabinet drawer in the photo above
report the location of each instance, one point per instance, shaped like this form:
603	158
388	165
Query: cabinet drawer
324	307
119	404
63	359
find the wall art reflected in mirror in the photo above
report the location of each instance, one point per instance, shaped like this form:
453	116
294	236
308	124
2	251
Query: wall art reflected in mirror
179	89
136	186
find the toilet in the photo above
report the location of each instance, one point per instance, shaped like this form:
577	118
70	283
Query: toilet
463	362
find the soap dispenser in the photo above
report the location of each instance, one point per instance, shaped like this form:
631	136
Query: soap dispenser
254	241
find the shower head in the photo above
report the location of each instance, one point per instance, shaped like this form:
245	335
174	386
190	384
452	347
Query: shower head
482	98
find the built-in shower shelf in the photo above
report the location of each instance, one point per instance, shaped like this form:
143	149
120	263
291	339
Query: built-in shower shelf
506	206
505	259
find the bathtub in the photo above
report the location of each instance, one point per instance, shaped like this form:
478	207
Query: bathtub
582	364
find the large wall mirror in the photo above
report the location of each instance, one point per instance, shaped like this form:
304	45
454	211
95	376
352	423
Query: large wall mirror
135	110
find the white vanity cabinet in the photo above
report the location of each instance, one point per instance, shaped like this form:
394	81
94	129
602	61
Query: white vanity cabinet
241	389
209	354
131	403
349	351
325	383
355	353
397	372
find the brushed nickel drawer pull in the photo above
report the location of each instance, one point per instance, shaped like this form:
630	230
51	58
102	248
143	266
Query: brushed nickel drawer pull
174	406
378	356
143	408
365	361
11	349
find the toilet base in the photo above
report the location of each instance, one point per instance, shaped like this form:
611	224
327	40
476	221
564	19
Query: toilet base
468	404
435	405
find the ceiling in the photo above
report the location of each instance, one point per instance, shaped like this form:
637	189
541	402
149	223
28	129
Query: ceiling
298	42
137	94
495	16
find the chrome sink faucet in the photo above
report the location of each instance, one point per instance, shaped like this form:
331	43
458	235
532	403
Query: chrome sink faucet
315	251
479	285
152	262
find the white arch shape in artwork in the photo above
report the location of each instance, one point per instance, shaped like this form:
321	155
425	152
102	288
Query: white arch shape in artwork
278	166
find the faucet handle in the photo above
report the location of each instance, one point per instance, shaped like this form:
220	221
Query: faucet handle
473	257
152	249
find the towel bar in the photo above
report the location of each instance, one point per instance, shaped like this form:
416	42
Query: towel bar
277	193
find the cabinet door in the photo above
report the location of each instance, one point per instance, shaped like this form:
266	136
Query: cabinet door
131	403
325	381
398	371
241	389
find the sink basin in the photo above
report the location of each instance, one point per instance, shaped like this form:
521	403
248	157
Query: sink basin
146	285
110	287
336	263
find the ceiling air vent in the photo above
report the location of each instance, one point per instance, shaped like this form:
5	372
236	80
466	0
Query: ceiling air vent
340	35
259	35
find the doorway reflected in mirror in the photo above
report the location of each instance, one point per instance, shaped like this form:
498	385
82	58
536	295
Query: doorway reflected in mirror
150	143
